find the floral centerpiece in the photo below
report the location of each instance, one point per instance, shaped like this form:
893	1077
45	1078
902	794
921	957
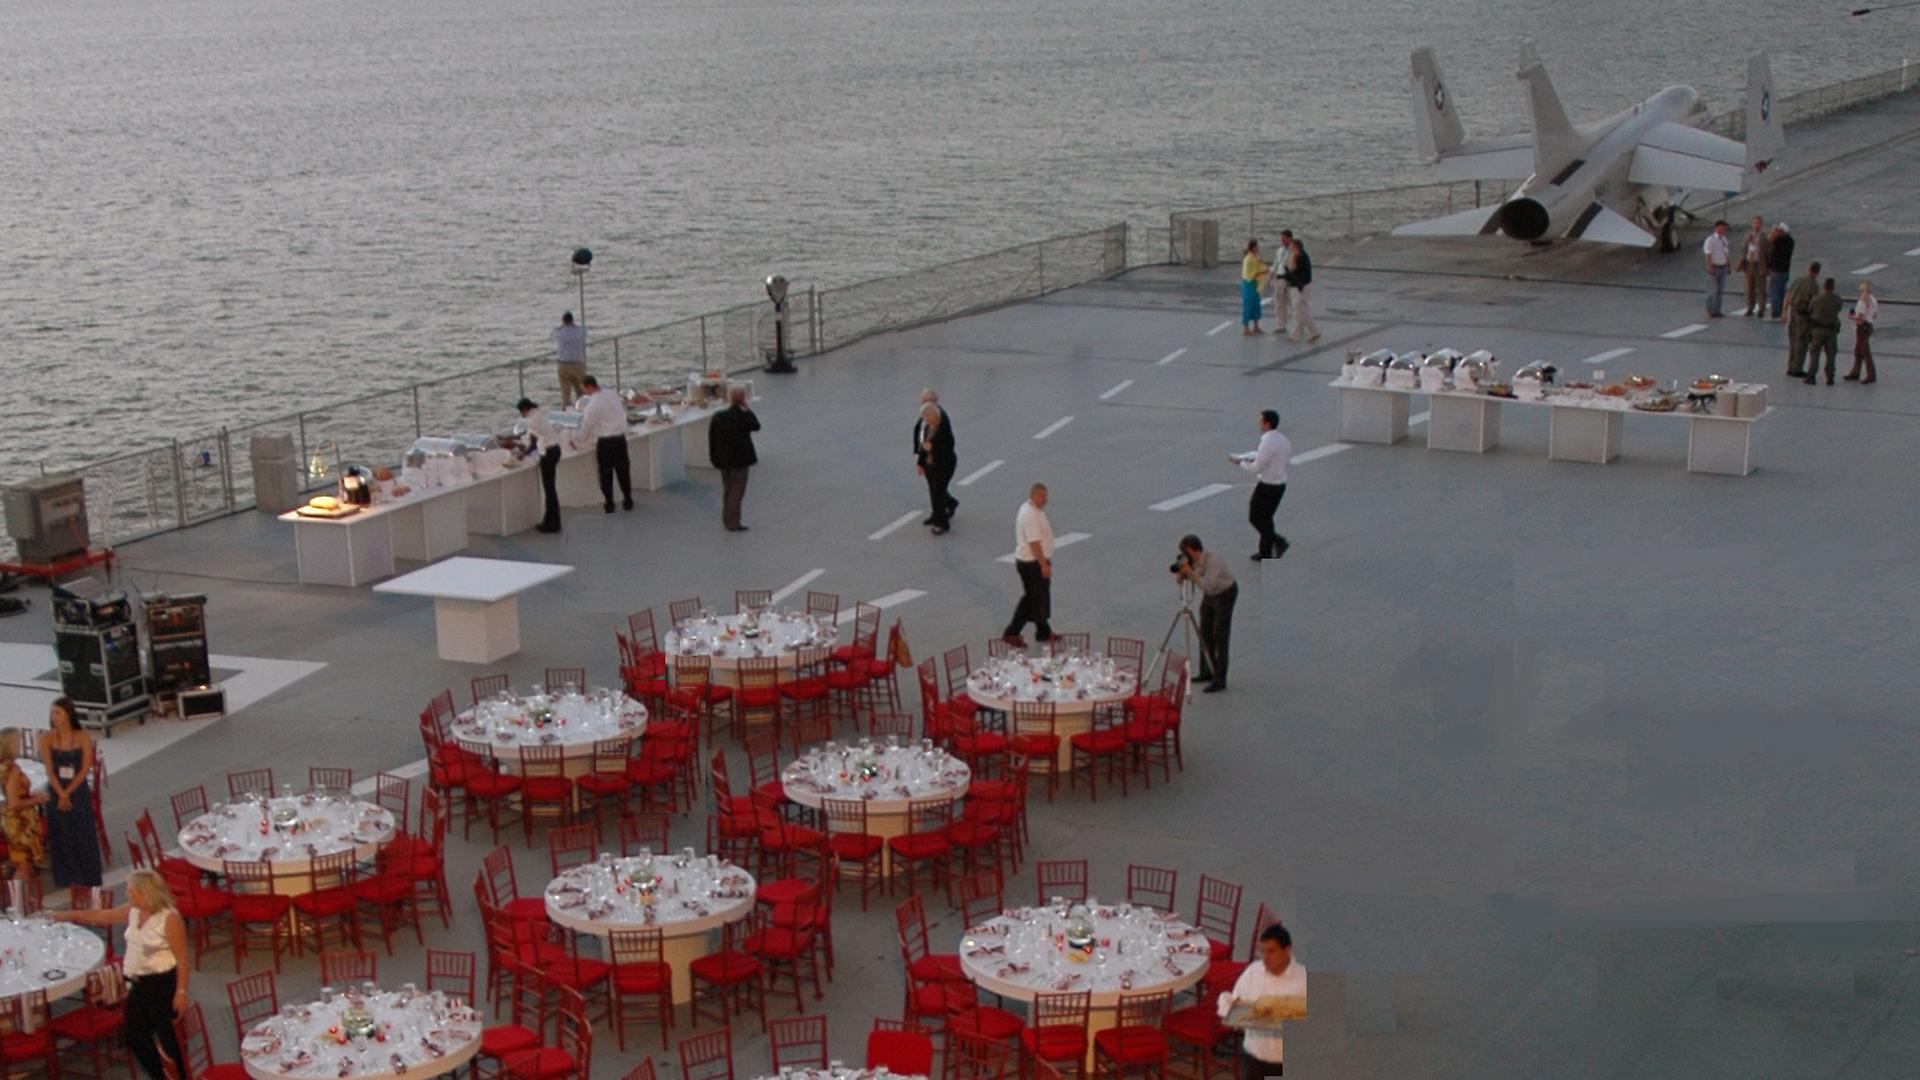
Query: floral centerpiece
642	877
1078	938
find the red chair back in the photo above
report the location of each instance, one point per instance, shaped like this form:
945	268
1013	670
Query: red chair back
560	679
1152	886
569	847
189	804
343	969
451	973
1061	877
708	1056
253	999
1216	910
905	1048
485	686
797	1042
643	830
823	605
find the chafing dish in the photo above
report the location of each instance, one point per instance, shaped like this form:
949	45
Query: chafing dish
1476	371
1403	371
1371	369
1531	379
1436	367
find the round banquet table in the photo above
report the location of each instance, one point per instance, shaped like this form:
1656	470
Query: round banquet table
1017	954
507	722
424	1035
696	894
728	639
1076	685
905	775
300	828
36	954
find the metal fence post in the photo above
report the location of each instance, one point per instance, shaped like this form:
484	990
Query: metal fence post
616	363
301	419
1349	215
416	412
179	488
703	343
1040	251
520	370
819	325
226	466
1250	221
813	318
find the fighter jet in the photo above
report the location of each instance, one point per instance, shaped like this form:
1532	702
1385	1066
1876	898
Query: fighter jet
1621	180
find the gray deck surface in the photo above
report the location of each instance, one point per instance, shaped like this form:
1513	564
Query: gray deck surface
1553	769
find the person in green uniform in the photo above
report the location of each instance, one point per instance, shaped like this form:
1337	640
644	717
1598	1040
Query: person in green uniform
1823	330
1802	294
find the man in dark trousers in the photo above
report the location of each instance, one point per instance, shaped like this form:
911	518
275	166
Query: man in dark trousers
546	443
933	452
730	445
1823	330
603	423
1268	464
1805	288
1218	591
931	397
1779	265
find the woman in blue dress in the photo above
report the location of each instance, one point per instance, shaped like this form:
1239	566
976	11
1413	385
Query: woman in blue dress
73	843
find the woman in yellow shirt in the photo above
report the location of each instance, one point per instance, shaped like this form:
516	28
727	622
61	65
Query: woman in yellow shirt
1252	272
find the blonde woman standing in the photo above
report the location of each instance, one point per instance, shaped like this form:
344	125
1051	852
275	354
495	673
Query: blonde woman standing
154	967
21	818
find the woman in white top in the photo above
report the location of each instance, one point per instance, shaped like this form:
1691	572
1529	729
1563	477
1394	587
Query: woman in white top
1865	310
157	980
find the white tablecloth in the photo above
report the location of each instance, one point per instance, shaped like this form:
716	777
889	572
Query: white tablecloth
694	895
39	955
300	828
1078	684
420	1035
730	638
906	774
574	722
1022	952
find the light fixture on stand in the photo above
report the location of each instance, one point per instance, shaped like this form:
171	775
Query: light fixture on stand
582	262
780	360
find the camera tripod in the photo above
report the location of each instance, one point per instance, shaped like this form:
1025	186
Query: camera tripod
1188	626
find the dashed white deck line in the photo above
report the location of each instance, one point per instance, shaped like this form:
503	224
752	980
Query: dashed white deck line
1170	358
891	600
1417	418
980	472
1870	268
1915	251
1063	540
1321	452
1603	357
1219	328
797	584
1267	302
1690	328
1053	427
1190	497
1120	388
888	529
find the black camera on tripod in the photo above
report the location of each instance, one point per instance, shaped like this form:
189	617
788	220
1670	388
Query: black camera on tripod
1180	562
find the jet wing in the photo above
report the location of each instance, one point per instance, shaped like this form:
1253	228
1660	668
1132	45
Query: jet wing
1508	157
1677	156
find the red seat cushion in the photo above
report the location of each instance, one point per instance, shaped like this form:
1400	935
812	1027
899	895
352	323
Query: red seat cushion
604	783
225	1071
920	845
792	836
506	1039
847	654
758	697
991	791
984	743
638	978
260	907
785	891
547	788
1036	745
486	784
809	689
577	974
1103	741
854	847
333	901
17	1047
725	968
986	1022
385	888
529	908
847	678
1219	950
548	1061
1132	1045
1196	1024
1056	1042
781	942
939	966
972	833
88	1023
693	697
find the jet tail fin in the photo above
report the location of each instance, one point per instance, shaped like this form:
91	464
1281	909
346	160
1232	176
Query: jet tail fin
1766	136
1605	226
1555	142
1436	126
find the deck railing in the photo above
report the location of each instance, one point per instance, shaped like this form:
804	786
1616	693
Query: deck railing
199	477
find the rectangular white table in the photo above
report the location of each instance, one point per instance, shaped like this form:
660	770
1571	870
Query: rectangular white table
424	524
476	608
1577	430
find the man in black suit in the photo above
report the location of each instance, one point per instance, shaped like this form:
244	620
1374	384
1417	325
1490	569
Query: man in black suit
944	504
937	462
730	445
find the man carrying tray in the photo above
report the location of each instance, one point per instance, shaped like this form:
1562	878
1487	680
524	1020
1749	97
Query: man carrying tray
1266	993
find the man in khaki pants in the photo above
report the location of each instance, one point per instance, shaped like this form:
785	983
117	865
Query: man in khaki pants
570	349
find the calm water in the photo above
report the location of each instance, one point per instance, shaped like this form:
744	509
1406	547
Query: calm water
216	211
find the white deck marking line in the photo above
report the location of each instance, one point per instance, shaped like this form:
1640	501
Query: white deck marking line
1053	427
1417	418
1915	251
1870	268
1268	302
798	583
1123	384
1690	328
1603	357
1063	540
898	522
1219	328
891	600
1193	496
981	471
1170	358
1320	452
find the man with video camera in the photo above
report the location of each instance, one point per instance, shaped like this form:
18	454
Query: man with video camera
1218	591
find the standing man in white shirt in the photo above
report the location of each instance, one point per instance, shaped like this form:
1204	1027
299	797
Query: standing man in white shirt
603	423
1033	558
546	443
1268	464
1715	249
570	349
1865	311
1277	975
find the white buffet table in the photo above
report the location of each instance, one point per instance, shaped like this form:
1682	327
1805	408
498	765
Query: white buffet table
1585	430
476	605
657	454
425	524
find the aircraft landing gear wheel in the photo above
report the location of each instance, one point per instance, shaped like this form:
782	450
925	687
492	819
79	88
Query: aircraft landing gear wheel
1669	241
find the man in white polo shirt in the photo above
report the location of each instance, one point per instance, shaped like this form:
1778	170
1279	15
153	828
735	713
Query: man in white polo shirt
1276	975
1033	557
1715	250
